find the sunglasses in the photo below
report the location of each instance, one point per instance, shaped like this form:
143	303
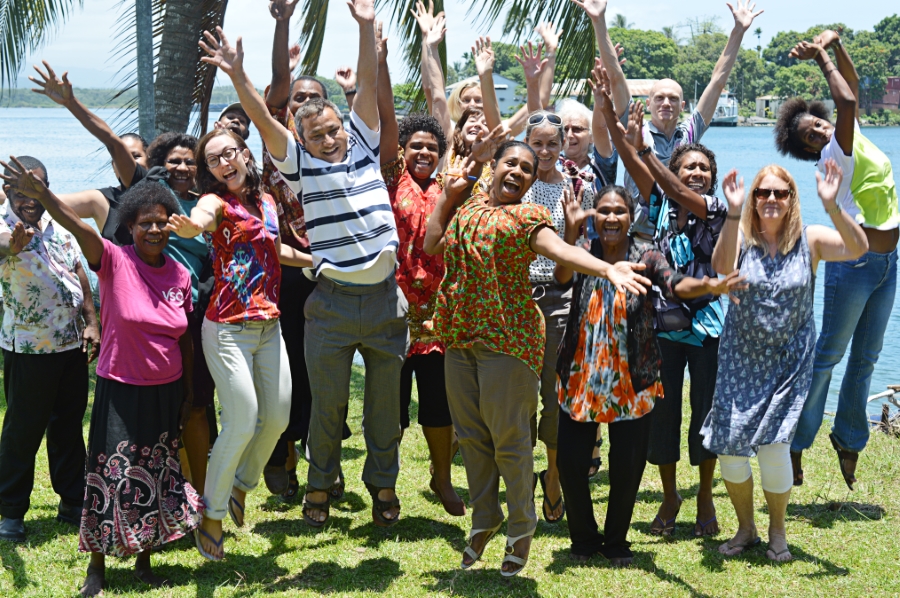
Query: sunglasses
212	160
780	194
575	129
553	119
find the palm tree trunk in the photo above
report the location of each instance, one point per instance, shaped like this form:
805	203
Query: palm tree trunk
144	34
178	58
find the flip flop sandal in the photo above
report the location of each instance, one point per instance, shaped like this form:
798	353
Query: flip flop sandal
232	503
457	509
844	455
743	547
596	462
309	505
203	553
778	554
668	527
702	525
476	556
552	507
337	489
380	506
796	466
293	486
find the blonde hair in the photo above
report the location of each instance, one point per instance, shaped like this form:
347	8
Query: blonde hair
455	100
792	225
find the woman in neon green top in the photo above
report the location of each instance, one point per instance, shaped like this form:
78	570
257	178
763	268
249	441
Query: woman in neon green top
859	294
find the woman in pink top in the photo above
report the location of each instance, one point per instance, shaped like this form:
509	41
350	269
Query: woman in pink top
136	497
241	333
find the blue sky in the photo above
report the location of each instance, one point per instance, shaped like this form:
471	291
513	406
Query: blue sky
92	63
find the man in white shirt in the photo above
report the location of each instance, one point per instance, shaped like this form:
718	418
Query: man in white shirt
353	241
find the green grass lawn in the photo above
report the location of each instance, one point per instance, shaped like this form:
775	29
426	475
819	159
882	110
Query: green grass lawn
845	544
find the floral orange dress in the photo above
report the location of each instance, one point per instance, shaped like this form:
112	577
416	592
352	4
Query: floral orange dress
609	360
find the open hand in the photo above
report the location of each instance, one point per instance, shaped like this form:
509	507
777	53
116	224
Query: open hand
456	178
733	189
550	34
723	286
19	238
381	49
346	78
634	135
293	57
230	59
425	18
574	214
829	185
805	51
531	60
600	86
362	10
595	9
483	53
743	14
282	10
58	90
90	339
485	146
626	278
23	180
436	34
183	226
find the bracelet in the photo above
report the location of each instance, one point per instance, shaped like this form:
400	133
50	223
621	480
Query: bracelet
645	151
834	211
349	93
733	217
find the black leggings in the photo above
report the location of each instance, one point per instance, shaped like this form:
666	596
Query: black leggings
627	458
433	409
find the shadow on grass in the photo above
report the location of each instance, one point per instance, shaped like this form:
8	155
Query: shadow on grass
713	560
327	577
12	562
825	514
481	580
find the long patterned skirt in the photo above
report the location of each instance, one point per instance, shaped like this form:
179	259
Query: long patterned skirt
135	496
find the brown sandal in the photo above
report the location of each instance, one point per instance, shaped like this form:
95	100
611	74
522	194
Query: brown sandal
845	455
798	469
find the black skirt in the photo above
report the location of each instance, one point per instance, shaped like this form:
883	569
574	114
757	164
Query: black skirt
135	497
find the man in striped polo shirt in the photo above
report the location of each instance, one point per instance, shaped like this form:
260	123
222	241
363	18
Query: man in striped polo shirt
353	240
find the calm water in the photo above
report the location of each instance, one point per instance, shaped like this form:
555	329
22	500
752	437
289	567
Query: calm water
73	161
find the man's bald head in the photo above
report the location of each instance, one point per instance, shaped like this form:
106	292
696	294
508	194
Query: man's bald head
666	102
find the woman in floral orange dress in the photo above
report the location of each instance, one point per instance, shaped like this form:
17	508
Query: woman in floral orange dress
609	371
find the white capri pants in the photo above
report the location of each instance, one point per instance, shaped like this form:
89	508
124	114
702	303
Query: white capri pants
774	468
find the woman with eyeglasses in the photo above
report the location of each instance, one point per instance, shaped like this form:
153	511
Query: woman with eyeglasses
545	135
767	347
241	332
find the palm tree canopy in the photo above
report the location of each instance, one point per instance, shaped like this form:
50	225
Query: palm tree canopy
24	26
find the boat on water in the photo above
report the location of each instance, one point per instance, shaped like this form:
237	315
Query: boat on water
726	114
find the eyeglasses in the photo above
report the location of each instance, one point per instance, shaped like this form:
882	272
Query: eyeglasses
780	194
536	119
212	160
575	129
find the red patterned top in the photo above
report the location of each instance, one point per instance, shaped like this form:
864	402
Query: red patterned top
245	262
419	275
486	297
289	207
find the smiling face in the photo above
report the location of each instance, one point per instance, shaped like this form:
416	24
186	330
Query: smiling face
182	168
612	221
421	154
471	98
772	211
513	174
815	133
472	128
324	136
666	103
578	138
28	210
546	143
230	172
303	91
148	232
694	172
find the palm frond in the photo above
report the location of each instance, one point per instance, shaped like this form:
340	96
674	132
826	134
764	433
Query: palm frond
24	26
312	34
205	75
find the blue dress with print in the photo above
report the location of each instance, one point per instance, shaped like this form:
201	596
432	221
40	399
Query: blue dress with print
766	354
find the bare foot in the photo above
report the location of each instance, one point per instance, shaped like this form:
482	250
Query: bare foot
742	540
778	549
94	582
707	524
664	523
521	550
446	493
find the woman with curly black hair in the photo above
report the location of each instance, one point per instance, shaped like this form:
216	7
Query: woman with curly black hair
859	294
411	151
687	218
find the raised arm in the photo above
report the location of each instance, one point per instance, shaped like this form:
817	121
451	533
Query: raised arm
596	11
483	53
230	60
390	132
743	18
433	30
599	130
30	185
280	88
60	91
725	255
365	105
844	99
459	179
847	241
345	76
832	39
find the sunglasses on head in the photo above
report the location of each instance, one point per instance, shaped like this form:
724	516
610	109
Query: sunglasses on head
780	194
553	119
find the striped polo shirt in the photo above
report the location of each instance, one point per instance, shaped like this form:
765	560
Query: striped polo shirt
349	221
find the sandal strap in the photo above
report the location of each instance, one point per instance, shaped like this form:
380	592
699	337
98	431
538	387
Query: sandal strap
470	552
511	558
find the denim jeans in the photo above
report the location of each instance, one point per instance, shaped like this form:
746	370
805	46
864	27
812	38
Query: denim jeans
859	296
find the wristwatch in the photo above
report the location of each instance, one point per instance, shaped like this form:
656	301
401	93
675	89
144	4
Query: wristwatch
645	151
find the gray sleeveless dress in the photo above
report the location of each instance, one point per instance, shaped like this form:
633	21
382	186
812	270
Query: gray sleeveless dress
766	354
